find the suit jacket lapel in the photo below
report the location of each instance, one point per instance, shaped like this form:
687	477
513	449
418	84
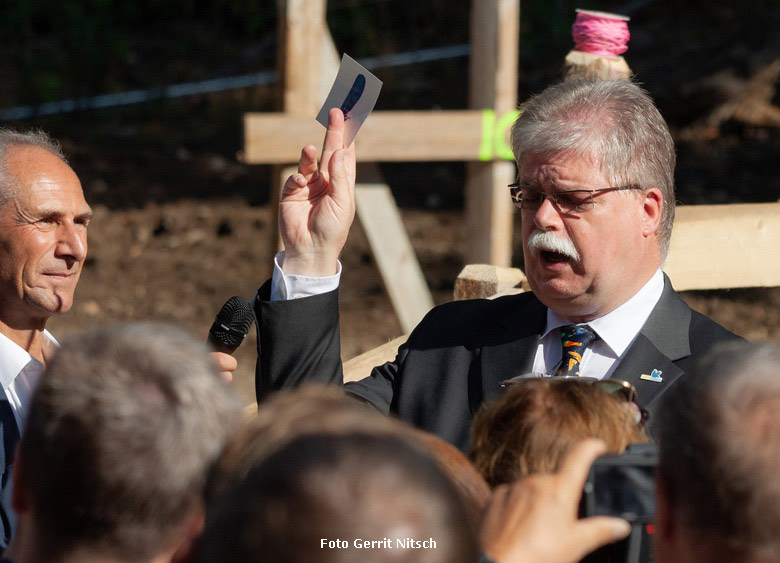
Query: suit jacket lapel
663	340
510	349
10	434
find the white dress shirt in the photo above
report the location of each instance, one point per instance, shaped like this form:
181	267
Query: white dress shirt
616	330
294	287
19	374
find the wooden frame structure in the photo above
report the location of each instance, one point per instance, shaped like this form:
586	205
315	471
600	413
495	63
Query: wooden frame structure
712	247
308	62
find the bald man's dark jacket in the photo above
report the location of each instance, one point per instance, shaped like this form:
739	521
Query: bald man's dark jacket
455	359
8	442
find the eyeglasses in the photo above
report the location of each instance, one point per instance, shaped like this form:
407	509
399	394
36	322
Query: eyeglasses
571	201
617	388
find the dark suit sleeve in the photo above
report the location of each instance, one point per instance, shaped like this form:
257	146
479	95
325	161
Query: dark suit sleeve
297	341
379	388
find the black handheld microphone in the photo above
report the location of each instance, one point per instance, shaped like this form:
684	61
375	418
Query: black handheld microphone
231	325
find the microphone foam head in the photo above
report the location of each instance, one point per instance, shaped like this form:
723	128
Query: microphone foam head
232	323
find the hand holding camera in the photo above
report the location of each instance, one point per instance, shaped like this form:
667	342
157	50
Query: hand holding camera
536	519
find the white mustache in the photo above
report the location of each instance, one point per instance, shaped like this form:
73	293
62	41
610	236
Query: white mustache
546	240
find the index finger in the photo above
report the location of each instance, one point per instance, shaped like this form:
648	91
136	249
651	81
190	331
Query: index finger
575	466
334	138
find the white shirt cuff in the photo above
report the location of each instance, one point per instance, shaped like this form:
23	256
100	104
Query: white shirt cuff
294	287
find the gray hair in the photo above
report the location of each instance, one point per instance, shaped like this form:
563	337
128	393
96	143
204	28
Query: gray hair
720	451
10	138
121	433
613	121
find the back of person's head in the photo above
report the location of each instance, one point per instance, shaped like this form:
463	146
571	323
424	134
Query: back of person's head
285	416
468	481
529	429
318	409
121	432
614	122
720	453
324	498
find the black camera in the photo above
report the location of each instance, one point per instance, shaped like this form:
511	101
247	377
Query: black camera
624	486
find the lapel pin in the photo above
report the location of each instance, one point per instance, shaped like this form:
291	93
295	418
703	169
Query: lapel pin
655	376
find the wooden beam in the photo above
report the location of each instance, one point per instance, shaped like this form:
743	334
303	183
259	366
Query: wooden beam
394	255
360	366
725	246
390	136
495	33
301	26
482	281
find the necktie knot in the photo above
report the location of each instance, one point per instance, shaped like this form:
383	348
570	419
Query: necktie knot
574	340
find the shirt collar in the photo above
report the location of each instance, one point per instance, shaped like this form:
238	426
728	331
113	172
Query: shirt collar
618	328
14	359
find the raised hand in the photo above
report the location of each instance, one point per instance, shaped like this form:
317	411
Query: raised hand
318	204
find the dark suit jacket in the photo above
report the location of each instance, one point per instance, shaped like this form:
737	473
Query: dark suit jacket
456	357
10	437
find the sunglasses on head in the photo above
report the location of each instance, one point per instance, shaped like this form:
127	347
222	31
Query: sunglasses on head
616	388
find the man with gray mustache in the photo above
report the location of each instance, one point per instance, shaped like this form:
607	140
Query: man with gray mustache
596	193
539	241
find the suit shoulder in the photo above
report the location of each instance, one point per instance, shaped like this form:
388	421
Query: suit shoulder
470	317
469	309
704	332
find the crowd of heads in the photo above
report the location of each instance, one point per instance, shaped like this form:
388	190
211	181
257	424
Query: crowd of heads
133	441
119	434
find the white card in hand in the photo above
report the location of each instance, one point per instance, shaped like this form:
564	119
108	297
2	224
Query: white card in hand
355	91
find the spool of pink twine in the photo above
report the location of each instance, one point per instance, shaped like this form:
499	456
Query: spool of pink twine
601	34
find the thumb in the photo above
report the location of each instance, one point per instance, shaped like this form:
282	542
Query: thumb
341	185
596	531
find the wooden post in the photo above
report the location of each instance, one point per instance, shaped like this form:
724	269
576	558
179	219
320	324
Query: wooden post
301	29
393	254
495	28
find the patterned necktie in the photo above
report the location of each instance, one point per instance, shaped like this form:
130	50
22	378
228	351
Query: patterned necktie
574	340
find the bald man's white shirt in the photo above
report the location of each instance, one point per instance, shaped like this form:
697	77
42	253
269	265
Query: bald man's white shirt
20	372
